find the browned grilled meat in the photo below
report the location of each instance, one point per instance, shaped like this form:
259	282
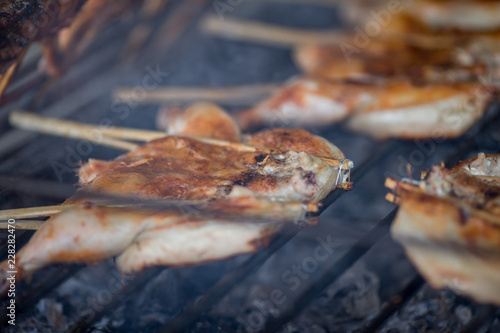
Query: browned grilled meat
15	25
276	175
22	22
449	225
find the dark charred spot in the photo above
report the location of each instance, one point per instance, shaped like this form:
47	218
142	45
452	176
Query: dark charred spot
310	178
244	180
260	158
464	217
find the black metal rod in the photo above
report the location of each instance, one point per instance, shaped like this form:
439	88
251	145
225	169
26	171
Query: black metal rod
133	286
396	302
332	273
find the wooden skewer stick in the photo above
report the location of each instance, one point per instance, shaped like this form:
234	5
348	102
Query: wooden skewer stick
23	225
9	73
106	136
267	33
394	185
391	183
230	94
392	198
6	77
33	122
31	212
272	34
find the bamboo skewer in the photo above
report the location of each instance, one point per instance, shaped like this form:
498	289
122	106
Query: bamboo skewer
34	122
243	30
6	77
9	73
234	94
107	136
267	33
95	134
31	212
22	225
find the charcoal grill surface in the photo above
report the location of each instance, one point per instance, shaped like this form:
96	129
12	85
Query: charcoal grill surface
364	284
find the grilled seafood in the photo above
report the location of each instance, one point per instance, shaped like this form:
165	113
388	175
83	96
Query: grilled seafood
395	109
449	225
275	177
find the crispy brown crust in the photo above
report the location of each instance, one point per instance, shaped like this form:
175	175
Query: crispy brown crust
295	139
450	228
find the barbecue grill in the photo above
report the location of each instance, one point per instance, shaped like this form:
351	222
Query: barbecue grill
346	274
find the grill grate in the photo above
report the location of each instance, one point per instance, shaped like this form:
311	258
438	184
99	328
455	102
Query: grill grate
84	98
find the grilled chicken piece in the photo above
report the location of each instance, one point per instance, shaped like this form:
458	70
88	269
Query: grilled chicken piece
386	60
229	199
185	168
419	112
449	225
394	109
304	102
201	119
88	234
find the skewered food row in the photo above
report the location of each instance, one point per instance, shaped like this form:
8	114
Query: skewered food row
239	193
411	80
455	60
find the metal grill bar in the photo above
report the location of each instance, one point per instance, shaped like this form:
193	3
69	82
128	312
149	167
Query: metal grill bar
396	302
192	312
82	325
362	246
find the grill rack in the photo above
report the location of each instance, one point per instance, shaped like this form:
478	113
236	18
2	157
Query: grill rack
190	314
